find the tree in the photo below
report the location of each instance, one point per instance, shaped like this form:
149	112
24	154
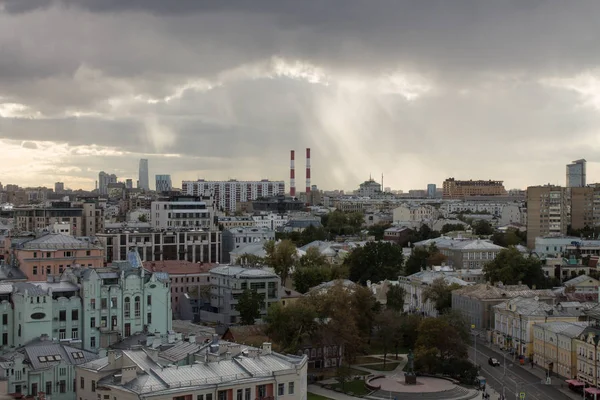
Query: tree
312	258
378	230
250	260
512	237
375	261
422	257
511	267
452	227
142	218
482	228
249	306
395	298
306	277
440	294
281	257
290	326
388	331
445	334
409	329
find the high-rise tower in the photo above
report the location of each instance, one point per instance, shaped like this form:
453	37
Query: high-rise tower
143	182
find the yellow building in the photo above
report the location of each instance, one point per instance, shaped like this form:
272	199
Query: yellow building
554	349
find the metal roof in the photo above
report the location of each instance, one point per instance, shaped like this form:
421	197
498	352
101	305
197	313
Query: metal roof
241	272
44	354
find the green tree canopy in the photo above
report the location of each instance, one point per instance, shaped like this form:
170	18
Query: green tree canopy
440	294
388	330
375	261
281	256
511	267
289	326
452	227
512	237
483	228
395	298
250	260
306	277
447	334
249	306
422	257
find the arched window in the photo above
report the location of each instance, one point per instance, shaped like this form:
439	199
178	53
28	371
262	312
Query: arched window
127	308
138	311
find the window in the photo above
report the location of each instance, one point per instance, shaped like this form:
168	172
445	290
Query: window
262	390
48	270
75	315
88	252
92	322
62	333
103	321
127	308
82	383
149	318
63	371
74	333
60	269
68	254
113	302
62	315
209	396
222	395
103	304
93	386
200	397
149	300
281	389
35	269
291	388
48	388
137	307
93	342
240	394
4	339
93	304
4	319
34	389
247	394
35	254
62	386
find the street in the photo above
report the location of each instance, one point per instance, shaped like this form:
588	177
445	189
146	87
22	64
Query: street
517	379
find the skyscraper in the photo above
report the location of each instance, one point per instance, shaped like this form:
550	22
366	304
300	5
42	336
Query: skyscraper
103	180
576	173
163	183
143	182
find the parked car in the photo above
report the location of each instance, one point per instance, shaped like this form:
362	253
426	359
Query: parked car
493	362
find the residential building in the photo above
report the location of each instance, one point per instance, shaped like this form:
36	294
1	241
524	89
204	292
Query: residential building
576	174
227	194
225	372
277	204
237	237
514	319
182	212
237	256
397	234
103	180
464	253
559	246
476	302
431	191
553	347
377	218
59	187
455	189
51	254
587	348
129	183
300	223
414	215
546	212
92	218
225	223
32	219
185	277
270	220
143	180
229	282
163	183
140	215
194	245
43	366
582	284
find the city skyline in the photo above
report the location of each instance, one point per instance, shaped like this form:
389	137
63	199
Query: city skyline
418	92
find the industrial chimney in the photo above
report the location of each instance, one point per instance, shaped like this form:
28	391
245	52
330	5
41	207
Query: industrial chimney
292	175
307	173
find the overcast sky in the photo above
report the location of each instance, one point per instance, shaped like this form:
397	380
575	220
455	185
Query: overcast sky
417	90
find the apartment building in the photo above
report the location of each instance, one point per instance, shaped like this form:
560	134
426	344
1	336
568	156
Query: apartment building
44	365
514	319
270	221
182	212
163	183
225	223
229	282
464	253
32	219
48	255
476	302
225	371
238	237
86	307
547	212
553	346
459	190
227	194
194	245
587	347
414	215
585	207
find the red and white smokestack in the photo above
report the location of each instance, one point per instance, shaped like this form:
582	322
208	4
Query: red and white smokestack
292	175
307	171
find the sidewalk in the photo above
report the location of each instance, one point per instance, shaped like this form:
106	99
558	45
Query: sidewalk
557	381
315	389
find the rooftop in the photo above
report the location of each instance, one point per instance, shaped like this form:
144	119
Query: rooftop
485	291
533	307
444	242
581	279
569	329
241	272
178	267
51	241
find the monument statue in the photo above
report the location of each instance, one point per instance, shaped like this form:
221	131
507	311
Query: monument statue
410	378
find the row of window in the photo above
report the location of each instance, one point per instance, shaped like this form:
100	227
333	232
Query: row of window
114	304
65	254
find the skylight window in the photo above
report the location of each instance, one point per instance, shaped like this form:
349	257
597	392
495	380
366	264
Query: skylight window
42	358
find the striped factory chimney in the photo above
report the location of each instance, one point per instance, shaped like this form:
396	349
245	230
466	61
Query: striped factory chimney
292	175
307	172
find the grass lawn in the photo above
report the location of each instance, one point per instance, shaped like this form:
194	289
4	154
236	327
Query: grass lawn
367	360
355	387
333	372
389	366
377	348
312	396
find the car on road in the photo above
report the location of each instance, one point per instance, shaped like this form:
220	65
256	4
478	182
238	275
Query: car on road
493	362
